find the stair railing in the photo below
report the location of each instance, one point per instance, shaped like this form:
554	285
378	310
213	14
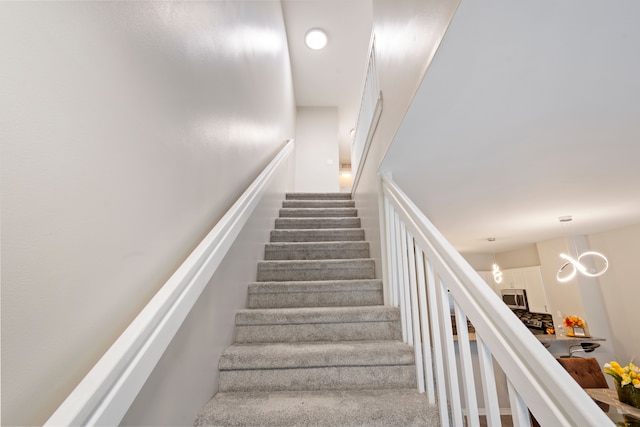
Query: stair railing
431	283
108	390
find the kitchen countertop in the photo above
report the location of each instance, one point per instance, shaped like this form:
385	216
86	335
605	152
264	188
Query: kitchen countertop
549	338
556	338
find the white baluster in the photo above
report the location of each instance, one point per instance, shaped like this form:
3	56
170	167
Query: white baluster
424	326
390	258
405	284
417	339
450	353
393	251
519	410
466	366
400	267
488	378
432	300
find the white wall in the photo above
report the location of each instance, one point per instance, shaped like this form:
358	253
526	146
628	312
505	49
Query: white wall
128	129
581	296
526	256
562	297
407	36
620	287
317	155
186	376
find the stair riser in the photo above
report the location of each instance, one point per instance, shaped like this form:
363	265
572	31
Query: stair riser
316	223
316	299
317	251
271	271
326	408
318	204
330	378
315	355
357	331
327	235
319	213
318	196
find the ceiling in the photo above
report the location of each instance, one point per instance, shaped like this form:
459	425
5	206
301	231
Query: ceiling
333	76
528	112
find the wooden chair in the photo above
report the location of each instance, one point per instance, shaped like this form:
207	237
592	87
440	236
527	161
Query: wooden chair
587	373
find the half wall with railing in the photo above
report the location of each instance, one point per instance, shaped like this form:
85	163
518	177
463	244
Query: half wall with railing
432	283
368	117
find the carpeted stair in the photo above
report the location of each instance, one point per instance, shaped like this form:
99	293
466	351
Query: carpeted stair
316	347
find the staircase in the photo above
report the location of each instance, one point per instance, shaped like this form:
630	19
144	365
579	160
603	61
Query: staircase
316	346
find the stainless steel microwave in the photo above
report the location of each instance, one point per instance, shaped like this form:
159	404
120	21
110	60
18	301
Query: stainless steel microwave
515	298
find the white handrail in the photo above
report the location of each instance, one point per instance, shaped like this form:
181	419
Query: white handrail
107	391
535	380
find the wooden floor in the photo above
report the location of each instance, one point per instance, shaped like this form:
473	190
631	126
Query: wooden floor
505	421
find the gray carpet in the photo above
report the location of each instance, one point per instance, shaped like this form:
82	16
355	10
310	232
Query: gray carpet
316	347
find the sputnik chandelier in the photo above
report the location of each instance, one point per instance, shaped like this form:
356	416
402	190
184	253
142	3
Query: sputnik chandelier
574	265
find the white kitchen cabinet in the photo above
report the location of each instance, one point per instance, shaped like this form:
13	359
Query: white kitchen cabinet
512	279
536	295
528	278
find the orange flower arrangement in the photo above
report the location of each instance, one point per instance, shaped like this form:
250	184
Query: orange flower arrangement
573	322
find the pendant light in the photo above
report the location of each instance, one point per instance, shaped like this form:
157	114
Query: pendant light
572	266
495	269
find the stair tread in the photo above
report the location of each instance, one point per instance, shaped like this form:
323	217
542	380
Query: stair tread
316	250
316	354
317	245
317	235
315	286
319	212
322	269
300	315
321	293
398	407
317	263
318	203
318	196
303	223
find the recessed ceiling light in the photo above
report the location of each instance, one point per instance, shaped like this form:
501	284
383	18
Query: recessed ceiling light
315	39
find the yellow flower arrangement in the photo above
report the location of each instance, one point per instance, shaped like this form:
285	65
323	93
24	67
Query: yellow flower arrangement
627	381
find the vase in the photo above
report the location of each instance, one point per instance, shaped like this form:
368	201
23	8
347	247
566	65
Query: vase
629	395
